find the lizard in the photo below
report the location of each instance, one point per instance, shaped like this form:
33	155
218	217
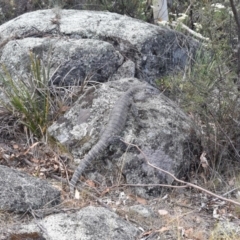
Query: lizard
114	127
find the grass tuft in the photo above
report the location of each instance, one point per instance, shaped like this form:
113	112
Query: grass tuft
31	99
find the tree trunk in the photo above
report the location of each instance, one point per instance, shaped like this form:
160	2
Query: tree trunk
160	11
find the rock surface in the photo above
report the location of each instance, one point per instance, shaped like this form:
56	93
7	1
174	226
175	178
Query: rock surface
21	192
76	60
80	46
63	38
90	223
103	47
163	137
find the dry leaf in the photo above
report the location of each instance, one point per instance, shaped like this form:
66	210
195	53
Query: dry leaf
55	166
64	109
6	156
163	212
146	233
232	182
197	220
43	169
77	194
163	229
15	146
138	199
35	160
222	211
204	178
141	200
90	183
133	197
215	213
203	160
189	233
105	191
204	165
165	197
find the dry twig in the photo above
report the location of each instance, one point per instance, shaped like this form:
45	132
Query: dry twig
186	184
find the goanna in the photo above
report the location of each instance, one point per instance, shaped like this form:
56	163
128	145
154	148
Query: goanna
114	127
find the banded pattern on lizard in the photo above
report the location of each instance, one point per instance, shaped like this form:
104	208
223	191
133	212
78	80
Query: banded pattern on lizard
115	125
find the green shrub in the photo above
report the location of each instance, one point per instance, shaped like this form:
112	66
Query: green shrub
31	99
208	92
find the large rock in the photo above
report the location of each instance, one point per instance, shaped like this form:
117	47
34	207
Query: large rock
90	223
76	60
21	192
92	45
163	138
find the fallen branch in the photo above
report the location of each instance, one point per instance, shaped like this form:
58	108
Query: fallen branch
186	184
195	34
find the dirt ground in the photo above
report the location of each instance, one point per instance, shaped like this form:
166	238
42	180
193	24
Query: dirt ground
180	213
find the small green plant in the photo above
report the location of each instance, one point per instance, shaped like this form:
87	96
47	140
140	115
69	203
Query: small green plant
208	90
31	99
208	93
226	230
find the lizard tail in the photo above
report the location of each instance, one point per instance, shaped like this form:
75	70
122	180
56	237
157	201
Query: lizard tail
92	154
77	174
